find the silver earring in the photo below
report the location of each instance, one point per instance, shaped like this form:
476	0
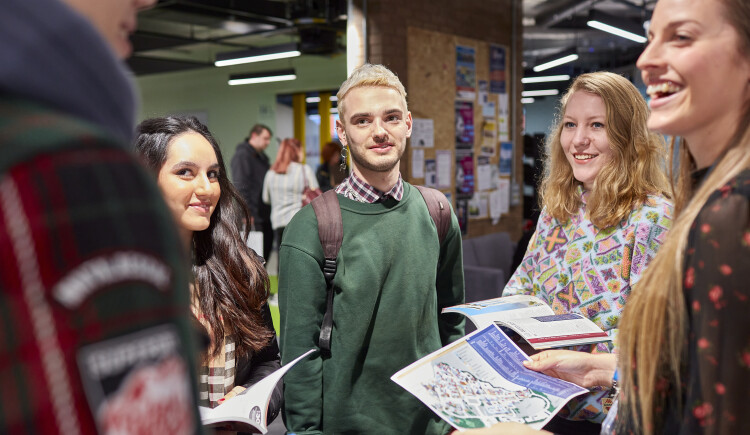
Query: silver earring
343	159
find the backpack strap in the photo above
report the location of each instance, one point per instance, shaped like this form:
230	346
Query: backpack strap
440	211
331	233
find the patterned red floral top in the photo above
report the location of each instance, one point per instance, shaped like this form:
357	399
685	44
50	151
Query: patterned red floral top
716	372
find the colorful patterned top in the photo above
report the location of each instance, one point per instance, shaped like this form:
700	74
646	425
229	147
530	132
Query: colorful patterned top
716	365
575	267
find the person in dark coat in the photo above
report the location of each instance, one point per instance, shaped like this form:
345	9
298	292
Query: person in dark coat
249	167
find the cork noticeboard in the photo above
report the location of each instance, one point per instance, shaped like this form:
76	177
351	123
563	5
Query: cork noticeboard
431	88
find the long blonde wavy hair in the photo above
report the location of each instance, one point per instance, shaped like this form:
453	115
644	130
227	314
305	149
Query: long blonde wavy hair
637	166
653	329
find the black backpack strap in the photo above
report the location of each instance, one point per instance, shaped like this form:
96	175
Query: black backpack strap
331	233
439	208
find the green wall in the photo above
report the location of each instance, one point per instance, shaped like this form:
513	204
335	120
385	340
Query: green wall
232	110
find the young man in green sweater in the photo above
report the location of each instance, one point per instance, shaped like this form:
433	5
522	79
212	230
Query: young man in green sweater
393	278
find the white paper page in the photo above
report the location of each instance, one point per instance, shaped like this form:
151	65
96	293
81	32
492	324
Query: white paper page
543	332
484	177
503	187
252	402
503	117
444	169
495	212
487	312
417	163
422	133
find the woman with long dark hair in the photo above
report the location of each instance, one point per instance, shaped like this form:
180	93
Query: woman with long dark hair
230	284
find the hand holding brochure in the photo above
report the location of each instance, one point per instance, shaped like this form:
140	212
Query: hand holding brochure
533	320
246	412
480	380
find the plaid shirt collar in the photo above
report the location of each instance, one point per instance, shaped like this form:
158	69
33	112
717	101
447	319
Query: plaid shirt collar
358	190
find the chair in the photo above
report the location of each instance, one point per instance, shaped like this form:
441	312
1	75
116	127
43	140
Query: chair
487	261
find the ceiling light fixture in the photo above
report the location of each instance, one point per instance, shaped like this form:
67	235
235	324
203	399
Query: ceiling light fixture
262	77
541	93
527	100
560	58
259	54
543	79
623	28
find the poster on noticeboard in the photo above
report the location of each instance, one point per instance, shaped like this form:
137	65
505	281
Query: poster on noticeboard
497	69
464	124
466	74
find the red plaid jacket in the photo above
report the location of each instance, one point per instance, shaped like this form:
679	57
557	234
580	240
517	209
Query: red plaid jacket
94	329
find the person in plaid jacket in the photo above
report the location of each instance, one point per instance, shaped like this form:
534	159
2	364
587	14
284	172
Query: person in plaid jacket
94	308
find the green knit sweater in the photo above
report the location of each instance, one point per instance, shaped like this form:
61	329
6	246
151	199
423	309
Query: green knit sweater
389	293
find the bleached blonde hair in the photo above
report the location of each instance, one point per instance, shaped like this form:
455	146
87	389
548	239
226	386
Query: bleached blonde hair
369	75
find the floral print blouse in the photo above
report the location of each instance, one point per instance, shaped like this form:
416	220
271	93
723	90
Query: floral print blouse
577	268
716	373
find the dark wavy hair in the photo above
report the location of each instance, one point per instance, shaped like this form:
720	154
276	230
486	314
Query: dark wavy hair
230	280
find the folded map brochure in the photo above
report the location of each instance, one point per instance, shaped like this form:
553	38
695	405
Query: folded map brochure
246	412
480	380
533	320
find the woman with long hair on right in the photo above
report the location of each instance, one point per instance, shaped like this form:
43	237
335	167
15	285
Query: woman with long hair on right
684	359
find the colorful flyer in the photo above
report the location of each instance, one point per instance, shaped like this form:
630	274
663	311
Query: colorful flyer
505	165
464	124
464	173
497	69
466	77
430	173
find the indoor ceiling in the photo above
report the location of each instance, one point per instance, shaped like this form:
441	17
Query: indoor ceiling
178	35
552	26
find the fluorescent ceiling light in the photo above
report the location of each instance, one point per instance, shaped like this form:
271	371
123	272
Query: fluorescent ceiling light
556	62
621	27
527	100
542	93
273	52
617	31
334	110
262	77
543	79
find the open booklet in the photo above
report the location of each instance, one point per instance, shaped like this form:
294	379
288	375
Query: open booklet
246	412
533	320
480	380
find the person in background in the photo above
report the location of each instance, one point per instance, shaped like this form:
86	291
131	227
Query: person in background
249	166
94	296
230	284
605	214
394	277
285	183
684	342
330	173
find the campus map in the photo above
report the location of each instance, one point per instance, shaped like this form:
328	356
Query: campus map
467	399
480	380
